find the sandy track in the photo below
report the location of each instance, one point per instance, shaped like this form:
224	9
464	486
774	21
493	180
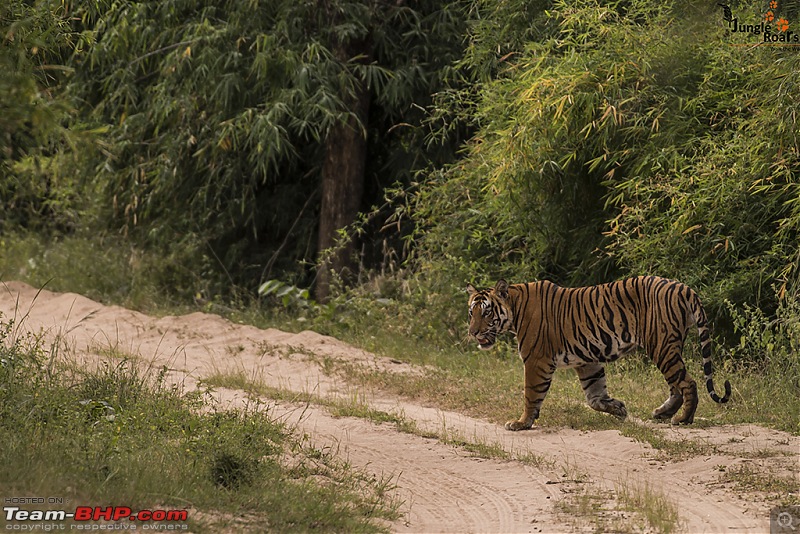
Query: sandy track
443	488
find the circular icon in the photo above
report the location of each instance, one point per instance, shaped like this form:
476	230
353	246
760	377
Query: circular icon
785	520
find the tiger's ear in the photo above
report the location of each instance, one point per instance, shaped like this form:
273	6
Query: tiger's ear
471	289
501	289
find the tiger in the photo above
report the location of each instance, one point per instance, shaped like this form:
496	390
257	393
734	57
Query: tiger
586	327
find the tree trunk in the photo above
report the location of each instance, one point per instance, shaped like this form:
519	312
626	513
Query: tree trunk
342	188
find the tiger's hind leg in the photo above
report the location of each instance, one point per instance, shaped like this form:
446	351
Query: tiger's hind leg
593	382
688	389
670	406
682	388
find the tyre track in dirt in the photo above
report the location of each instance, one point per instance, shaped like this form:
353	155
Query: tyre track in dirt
446	491
443	488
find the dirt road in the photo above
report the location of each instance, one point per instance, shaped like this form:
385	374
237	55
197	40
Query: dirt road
571	487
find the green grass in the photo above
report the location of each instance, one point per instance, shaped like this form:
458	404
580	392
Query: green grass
660	513
119	435
355	405
668	449
100	269
583	502
489	386
746	477
631	507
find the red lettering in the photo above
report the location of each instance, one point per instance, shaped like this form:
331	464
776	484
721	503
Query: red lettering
177	515
103	513
83	513
121	512
117	513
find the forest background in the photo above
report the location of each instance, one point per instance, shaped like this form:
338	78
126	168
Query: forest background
353	164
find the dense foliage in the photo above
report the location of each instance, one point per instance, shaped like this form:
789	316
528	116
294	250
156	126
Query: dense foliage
602	139
632	138
35	42
218	113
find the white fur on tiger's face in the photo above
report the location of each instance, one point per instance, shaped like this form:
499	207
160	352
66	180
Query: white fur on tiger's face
488	316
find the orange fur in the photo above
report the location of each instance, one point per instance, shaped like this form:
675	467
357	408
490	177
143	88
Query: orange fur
587	327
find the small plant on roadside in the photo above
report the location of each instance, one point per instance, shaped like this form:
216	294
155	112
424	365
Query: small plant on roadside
289	296
767	353
658	510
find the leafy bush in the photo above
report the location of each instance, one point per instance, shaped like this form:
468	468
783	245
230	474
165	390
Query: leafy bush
629	138
289	296
766	352
767	341
39	135
218	115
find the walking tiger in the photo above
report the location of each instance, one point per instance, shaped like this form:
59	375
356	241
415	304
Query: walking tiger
586	327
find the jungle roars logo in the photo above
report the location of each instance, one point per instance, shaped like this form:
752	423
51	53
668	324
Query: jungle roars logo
773	28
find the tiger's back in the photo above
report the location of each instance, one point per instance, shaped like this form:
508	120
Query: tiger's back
601	323
584	328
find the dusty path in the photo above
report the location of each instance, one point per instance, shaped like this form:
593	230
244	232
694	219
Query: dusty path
444	488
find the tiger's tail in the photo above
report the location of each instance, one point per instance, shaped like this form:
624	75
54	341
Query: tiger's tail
703	332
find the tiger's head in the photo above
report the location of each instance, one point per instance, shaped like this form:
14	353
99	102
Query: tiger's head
489	313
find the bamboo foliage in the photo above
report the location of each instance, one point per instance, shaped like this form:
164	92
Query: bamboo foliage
629	138
36	186
219	110
597	139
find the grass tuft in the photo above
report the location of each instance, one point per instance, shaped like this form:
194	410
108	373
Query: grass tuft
656	508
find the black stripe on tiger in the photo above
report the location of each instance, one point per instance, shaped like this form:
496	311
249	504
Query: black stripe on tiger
585	328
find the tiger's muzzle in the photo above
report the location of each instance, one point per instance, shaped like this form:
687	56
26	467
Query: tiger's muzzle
485	344
485	339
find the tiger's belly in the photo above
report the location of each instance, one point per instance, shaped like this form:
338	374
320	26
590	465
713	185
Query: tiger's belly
588	355
565	360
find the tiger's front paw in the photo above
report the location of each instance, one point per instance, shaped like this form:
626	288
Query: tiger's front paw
617	409
519	425
682	419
